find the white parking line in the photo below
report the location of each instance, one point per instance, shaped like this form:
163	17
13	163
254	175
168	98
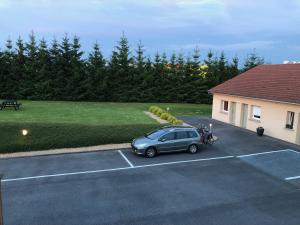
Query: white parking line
263	153
127	160
294	151
292	178
115	169
185	161
66	174
143	166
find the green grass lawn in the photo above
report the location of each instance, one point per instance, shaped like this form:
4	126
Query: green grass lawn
73	124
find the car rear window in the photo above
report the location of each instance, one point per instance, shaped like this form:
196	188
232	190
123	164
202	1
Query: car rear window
192	134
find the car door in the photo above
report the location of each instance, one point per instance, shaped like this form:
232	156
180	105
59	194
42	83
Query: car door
166	142
182	140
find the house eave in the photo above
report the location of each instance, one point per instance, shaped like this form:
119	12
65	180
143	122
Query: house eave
262	99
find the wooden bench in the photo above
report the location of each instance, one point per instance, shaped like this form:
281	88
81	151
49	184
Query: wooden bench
10	103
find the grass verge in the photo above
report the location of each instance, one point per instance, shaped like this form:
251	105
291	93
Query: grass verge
58	124
49	136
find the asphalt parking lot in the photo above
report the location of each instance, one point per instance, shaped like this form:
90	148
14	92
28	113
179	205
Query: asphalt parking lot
242	179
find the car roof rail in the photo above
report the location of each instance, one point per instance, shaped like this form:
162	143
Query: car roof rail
176	126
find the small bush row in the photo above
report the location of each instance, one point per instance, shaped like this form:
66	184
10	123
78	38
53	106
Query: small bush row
163	114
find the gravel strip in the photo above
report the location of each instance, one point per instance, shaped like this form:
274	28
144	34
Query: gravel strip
161	121
158	119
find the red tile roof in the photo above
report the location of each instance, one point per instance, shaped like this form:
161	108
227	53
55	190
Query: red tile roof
271	82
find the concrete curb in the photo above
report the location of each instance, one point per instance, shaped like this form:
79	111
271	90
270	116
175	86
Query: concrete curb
155	117
66	151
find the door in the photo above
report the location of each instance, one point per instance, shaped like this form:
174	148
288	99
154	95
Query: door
166	142
182	140
298	131
232	113
244	115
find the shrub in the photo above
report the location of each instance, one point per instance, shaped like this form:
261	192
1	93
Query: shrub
160	112
178	122
155	111
171	119
165	116
151	108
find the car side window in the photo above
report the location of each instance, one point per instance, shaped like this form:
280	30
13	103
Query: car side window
181	135
192	134
168	137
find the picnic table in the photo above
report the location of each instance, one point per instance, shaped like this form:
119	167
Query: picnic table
10	103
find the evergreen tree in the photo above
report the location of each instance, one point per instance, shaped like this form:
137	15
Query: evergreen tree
211	72
35	71
56	71
234	67
77	84
163	93
222	68
2	74
253	60
96	82
44	80
31	65
139	81
122	76
194	81
64	80
180	78
19	69
158	70
8	82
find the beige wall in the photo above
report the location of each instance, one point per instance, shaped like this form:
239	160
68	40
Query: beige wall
273	116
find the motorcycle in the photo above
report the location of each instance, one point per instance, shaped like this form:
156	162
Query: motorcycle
206	135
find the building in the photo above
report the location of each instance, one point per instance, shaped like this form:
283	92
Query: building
266	96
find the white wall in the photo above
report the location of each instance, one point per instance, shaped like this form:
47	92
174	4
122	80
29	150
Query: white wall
273	116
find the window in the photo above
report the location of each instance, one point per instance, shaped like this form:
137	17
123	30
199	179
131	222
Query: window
256	112
290	120
225	106
168	137
181	135
192	134
155	134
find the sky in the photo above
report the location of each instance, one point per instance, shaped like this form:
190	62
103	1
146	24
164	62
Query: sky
237	27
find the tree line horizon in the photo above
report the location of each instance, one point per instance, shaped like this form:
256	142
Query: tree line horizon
38	70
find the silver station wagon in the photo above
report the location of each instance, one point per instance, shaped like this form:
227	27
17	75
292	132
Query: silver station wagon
167	139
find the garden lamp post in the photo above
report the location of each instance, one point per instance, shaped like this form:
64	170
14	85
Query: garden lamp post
1	212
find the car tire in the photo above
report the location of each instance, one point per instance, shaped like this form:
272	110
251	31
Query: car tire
211	140
193	149
150	152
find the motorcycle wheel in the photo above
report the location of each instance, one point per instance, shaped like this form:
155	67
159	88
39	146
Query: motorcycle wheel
211	140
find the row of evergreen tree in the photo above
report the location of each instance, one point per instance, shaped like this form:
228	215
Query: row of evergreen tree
60	71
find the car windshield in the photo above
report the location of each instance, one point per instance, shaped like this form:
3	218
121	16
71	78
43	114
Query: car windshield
155	134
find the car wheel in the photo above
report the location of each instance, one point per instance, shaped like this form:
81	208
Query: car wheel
150	152
193	149
210	140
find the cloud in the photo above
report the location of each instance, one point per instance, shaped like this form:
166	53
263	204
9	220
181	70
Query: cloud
212	24
4	3
232	47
